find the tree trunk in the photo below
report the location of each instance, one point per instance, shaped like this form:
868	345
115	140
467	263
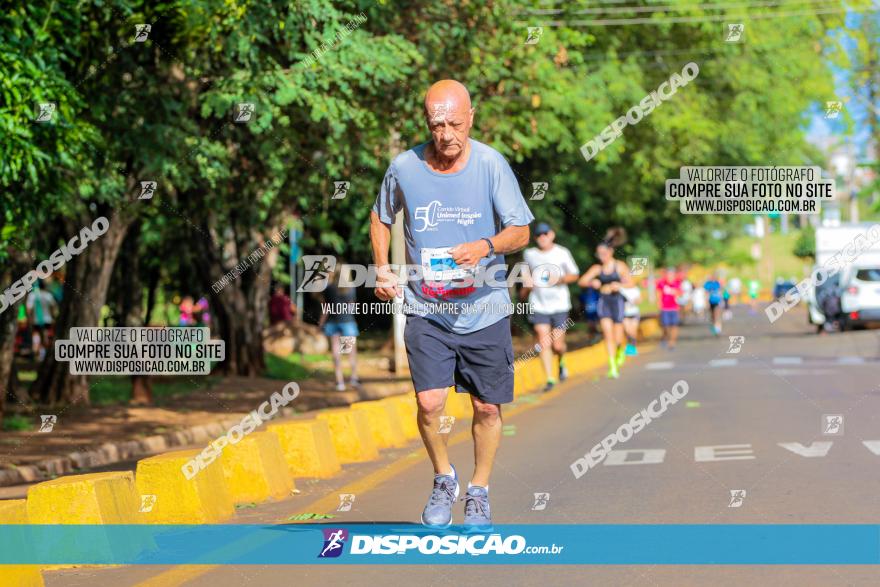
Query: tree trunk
85	291
16	267
7	356
131	305
240	308
152	289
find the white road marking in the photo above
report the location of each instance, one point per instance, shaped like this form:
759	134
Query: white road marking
787	360
723	452
816	449
802	372
660	365
850	360
873	446
722	362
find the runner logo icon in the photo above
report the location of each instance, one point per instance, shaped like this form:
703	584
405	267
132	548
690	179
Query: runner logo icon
737	496
334	540
832	109
346	500
142	32
341	189
317	267
148	188
832	424
734	32
637	265
541	500
45	112
48	422
539	190
736	343
534	35
446	423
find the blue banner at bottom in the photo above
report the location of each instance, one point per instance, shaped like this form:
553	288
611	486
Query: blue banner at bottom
540	544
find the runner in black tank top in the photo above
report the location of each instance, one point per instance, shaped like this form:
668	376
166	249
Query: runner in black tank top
610	307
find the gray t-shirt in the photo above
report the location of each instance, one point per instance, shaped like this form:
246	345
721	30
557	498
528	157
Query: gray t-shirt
444	210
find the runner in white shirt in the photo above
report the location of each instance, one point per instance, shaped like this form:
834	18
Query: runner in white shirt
550	269
631	317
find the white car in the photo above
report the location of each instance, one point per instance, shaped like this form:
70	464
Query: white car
860	294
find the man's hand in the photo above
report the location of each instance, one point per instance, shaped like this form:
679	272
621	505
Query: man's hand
469	254
387	287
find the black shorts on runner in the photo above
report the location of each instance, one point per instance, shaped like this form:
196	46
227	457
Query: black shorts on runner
479	363
556	320
611	306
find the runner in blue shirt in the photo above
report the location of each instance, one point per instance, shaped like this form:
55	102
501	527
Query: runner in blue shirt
462	209
713	288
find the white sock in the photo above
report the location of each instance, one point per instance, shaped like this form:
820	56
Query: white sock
484	487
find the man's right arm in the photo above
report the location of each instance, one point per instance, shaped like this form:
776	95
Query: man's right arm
380	236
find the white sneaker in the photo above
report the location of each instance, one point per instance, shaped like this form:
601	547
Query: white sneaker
340	387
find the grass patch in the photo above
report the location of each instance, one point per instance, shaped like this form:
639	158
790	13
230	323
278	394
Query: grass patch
17	423
108	391
292	367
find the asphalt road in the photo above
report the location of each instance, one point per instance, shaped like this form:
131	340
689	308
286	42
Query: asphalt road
770	399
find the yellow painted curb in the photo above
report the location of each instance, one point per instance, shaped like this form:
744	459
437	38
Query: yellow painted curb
96	498
586	359
307	447
407	412
204	499
384	423
14	511
350	430
255	469
649	328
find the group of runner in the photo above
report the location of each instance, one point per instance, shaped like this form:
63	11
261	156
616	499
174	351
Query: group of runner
616	306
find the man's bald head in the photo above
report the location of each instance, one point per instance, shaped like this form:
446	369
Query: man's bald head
447	94
449	116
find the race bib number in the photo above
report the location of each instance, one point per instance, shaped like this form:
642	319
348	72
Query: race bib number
438	265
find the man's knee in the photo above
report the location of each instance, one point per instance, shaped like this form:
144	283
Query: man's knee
486	412
559	346
431	402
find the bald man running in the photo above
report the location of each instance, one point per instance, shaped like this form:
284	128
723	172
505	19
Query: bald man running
462	209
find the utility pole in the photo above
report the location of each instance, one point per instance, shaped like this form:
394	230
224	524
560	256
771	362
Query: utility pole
398	258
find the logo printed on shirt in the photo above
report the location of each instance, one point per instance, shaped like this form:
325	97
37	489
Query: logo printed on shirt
434	213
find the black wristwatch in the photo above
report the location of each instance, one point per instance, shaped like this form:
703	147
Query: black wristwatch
491	246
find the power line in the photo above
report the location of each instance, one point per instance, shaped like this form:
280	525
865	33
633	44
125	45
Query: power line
679	8
693	19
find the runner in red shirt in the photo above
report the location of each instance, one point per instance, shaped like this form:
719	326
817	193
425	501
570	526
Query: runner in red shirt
669	287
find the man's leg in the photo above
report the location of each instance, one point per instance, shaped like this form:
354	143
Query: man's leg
673	335
542	333
335	347
486	429
431	403
559	346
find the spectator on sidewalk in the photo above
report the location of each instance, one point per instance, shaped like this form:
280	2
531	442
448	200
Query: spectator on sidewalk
337	320
280	306
41	308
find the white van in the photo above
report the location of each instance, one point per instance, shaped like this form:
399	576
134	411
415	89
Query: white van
860	294
857	284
